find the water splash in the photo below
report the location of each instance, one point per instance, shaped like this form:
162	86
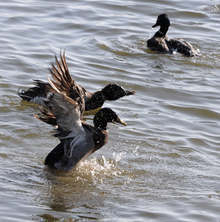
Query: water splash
96	169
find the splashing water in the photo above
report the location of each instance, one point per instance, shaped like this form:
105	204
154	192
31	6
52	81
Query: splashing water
96	169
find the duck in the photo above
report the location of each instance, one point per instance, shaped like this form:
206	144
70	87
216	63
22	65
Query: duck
160	42
77	139
63	82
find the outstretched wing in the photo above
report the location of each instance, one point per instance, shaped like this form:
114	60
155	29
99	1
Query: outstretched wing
62	82
66	113
76	142
46	116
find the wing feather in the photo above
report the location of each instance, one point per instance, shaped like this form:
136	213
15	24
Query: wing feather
62	82
66	112
46	116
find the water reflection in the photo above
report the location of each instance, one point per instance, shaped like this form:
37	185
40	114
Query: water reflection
78	192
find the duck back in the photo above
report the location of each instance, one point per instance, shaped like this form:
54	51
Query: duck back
181	46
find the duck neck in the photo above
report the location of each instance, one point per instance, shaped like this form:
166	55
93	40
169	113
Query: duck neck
99	121
100	124
162	31
95	101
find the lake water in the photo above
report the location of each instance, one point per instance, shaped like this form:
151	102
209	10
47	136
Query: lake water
163	166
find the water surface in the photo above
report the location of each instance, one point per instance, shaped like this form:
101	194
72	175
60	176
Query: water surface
164	166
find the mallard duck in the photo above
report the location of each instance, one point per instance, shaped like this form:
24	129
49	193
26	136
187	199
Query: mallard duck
63	81
77	139
160	42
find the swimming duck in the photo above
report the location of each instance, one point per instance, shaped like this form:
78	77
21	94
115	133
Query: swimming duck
77	139
63	81
160	42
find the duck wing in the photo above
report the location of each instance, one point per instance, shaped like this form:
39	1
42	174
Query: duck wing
76	140
66	111
69	152
182	47
63	83
46	116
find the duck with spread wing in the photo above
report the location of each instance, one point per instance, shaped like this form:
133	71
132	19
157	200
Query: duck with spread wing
63	81
77	139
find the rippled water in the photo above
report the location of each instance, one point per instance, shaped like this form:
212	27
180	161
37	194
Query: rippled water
164	166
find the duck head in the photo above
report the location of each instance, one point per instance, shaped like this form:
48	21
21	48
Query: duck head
114	92
162	21
104	116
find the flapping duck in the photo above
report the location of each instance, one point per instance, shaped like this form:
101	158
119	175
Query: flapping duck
63	81
77	139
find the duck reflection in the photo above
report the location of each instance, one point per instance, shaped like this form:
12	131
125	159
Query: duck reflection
72	190
75	194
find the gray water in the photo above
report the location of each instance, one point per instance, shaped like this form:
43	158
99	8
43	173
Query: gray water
163	166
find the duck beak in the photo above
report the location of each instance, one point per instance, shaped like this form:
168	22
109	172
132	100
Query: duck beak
128	93
121	122
155	25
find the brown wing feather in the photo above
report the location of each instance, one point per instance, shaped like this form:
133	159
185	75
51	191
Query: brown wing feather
63	82
46	116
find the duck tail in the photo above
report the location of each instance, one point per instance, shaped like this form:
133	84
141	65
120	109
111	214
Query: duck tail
35	94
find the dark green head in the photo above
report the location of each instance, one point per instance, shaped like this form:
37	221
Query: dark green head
162	20
104	116
114	92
